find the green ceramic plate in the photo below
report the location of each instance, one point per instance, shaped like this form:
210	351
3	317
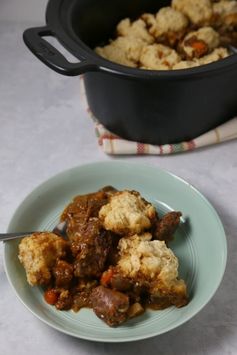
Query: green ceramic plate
199	243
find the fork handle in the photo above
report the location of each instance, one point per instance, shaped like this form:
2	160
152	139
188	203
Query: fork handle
10	236
59	229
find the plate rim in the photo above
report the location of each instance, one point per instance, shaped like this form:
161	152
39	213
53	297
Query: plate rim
132	338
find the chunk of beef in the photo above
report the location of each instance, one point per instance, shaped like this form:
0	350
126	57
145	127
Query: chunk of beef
59	297
82	294
135	289
113	279
80	210
109	190
91	250
63	274
109	305
120	283
166	226
64	301
90	243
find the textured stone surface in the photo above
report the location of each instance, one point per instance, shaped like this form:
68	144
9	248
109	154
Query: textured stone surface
44	129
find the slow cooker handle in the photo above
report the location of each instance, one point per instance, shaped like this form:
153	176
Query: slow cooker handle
33	38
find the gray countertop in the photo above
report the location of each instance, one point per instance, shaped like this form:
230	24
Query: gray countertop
44	129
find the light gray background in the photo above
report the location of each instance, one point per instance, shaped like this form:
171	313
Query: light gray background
44	129
22	10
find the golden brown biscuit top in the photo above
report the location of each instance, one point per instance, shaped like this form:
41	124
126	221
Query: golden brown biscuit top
198	11
127	213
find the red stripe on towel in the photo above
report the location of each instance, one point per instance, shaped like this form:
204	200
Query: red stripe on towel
140	148
191	145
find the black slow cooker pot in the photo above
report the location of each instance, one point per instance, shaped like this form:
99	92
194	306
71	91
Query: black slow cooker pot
155	107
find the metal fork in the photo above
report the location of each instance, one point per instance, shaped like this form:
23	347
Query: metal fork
59	229
9	236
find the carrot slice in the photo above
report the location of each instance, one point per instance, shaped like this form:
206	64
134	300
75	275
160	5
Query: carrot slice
106	277
199	46
51	296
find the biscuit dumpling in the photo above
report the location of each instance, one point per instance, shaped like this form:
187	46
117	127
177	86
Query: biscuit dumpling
225	13
118	51
127	213
216	54
158	57
198	43
198	11
167	26
135	29
186	64
38	253
152	264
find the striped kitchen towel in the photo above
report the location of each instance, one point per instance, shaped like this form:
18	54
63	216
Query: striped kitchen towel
115	145
112	144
